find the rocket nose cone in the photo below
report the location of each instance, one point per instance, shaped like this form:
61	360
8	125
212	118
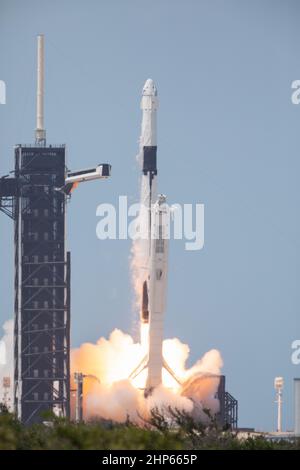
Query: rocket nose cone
149	88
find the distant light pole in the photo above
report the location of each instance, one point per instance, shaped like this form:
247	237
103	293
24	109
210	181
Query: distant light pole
278	385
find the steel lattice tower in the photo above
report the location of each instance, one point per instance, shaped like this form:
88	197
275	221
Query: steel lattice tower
35	198
42	284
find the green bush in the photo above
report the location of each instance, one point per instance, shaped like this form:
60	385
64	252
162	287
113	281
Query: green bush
171	430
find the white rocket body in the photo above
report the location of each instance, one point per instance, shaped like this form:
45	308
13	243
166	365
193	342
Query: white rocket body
154	222
148	151
149	106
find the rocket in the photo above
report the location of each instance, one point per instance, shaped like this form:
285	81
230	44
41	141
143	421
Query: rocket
148	149
154	229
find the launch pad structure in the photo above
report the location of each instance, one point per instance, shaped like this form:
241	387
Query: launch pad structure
35	198
227	417
42	272
42	284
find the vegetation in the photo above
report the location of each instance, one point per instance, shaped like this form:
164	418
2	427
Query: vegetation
172	430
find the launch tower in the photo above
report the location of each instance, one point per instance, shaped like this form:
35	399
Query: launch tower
35	198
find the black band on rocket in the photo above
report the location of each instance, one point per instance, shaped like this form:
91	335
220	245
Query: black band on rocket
149	163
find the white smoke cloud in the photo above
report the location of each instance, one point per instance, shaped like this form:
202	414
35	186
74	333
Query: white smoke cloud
6	360
114	396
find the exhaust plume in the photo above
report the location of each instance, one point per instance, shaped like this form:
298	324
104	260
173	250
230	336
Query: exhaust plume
7	363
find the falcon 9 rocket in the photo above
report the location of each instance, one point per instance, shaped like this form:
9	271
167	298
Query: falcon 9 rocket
154	229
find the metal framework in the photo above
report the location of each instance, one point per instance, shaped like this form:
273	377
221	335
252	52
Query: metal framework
8	189
78	379
228	413
42	282
35	198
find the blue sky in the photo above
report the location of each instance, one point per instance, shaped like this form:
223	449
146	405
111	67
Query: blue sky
228	138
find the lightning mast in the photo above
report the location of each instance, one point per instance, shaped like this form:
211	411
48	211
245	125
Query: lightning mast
40	132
